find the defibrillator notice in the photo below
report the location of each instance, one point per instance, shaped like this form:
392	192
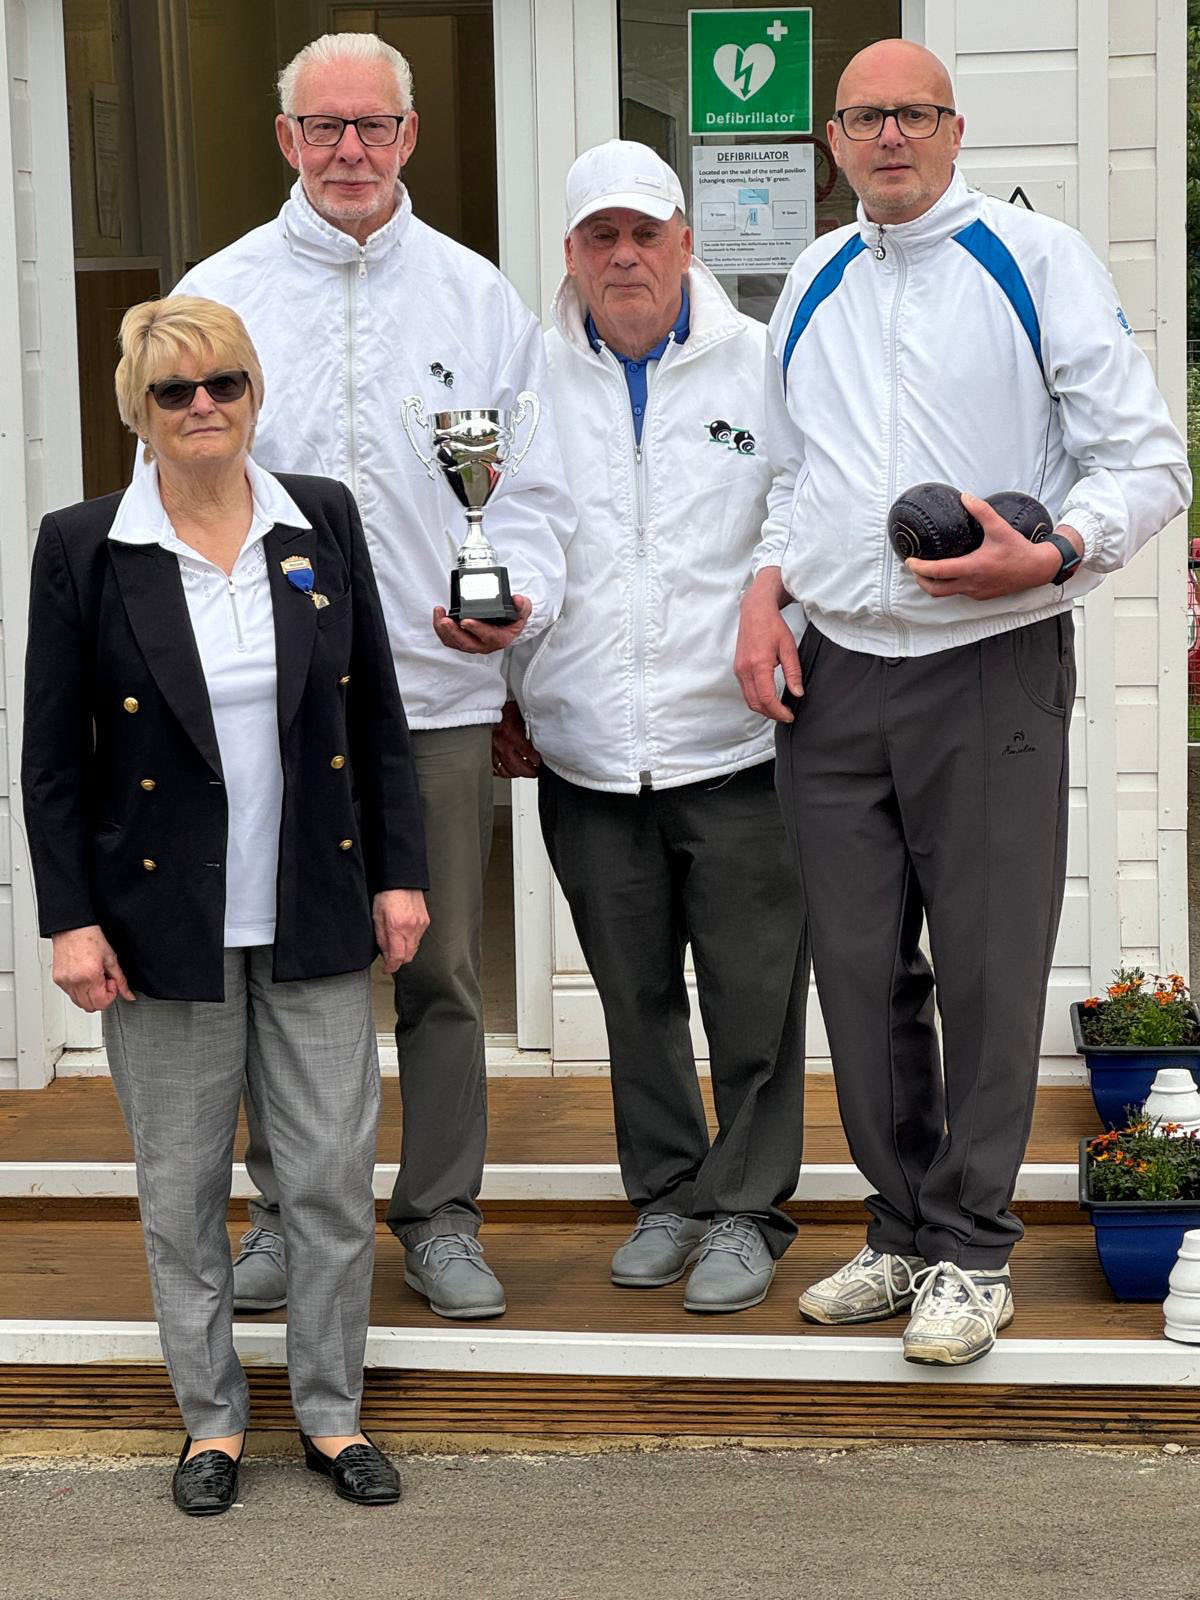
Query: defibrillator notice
753	205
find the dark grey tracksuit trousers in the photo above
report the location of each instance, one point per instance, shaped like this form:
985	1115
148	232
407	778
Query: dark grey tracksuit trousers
645	874
934	787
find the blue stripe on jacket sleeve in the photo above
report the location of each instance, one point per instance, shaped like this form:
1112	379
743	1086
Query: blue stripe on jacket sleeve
822	286
994	256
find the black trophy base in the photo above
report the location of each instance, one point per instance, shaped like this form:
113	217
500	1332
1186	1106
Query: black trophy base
481	594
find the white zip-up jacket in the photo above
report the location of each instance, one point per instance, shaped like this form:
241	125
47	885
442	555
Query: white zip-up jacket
634	683
982	346
344	333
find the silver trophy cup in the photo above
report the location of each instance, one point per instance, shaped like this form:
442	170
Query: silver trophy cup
474	450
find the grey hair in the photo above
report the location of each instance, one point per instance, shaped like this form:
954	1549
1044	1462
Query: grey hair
332	47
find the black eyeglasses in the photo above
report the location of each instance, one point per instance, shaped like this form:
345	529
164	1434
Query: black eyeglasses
176	394
914	122
321	130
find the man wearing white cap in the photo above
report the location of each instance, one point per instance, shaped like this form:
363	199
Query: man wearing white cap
656	787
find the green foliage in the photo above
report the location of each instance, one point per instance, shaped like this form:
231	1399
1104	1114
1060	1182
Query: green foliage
1144	1162
1135	1013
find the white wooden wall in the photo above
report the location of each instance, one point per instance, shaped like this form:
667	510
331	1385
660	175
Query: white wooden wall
39	466
1088	117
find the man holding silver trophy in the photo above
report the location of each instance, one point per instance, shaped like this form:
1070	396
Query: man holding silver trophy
656	785
365	318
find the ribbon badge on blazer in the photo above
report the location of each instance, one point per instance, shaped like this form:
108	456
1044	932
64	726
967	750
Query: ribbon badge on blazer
299	573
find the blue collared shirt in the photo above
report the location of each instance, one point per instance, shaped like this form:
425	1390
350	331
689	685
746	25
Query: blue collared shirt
636	370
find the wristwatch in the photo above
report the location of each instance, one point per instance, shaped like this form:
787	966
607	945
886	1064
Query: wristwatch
1070	556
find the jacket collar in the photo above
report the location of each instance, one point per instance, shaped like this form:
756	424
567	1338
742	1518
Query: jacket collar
141	540
305	233
955	209
142	519
712	316
676	335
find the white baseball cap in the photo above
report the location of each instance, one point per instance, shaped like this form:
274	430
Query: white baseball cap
621	173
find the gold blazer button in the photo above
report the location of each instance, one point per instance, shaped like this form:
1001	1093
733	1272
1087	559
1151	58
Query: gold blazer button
130	704
346	844
344	680
338	763
150	866
148	784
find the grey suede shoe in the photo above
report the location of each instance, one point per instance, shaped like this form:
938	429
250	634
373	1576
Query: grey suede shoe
449	1270
735	1267
657	1251
260	1272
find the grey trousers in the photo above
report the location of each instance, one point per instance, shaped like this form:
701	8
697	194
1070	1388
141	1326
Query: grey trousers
439	1006
305	1053
645	875
934	787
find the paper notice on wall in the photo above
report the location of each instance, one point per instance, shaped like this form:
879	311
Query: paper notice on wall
106	136
753	205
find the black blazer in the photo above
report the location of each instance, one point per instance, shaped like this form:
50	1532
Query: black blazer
125	804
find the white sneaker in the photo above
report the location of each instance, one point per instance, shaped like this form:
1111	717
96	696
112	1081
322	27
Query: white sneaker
869	1288
957	1314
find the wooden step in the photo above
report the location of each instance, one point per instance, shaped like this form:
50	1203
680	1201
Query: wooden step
556	1278
64	1151
530	1120
574	1355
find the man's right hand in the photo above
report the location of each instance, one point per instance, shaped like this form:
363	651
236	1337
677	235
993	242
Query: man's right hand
86	969
765	642
512	754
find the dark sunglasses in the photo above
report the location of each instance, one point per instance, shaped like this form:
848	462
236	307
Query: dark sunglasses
176	394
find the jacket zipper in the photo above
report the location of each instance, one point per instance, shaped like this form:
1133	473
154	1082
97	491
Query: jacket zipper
880	250
639	596
885	602
351	396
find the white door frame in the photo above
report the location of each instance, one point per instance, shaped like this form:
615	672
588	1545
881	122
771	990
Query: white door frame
556	72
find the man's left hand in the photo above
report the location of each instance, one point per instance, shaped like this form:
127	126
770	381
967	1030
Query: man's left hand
1005	563
400	919
480	638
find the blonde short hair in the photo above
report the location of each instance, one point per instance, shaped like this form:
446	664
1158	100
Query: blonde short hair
332	47
156	333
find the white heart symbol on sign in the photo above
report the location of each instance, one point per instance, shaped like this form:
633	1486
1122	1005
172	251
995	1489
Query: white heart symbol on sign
744	71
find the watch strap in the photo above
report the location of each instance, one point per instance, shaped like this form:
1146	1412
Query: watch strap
1070	556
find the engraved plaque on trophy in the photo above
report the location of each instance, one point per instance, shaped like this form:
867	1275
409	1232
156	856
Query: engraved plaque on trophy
474	449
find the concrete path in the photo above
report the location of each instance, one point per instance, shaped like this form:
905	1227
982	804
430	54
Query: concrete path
1007	1522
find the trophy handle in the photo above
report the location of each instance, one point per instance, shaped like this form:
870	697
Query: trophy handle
411	406
527	402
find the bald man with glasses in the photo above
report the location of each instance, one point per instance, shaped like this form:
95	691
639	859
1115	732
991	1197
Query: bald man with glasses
922	740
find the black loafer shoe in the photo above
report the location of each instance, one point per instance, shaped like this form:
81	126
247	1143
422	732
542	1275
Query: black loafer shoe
207	1484
360	1473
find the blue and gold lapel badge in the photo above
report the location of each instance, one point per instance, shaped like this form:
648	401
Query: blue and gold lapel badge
299	573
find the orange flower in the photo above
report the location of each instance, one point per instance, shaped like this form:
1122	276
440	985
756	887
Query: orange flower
1094	1000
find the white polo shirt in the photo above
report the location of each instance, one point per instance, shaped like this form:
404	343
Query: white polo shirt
234	624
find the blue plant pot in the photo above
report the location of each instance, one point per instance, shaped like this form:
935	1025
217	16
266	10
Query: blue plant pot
1121	1074
1137	1241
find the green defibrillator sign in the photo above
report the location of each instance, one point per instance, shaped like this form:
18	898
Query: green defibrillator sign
750	72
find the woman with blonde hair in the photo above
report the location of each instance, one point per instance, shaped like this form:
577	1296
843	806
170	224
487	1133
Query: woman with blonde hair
224	826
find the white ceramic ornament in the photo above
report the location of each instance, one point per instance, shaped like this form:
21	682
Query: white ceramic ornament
1181	1308
1175	1098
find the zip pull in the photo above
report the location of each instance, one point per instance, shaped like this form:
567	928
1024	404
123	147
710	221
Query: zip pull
362	259
880	250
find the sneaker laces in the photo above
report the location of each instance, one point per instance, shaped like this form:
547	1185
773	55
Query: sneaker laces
862	1271
262	1239
438	1252
740	1235
945	1291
